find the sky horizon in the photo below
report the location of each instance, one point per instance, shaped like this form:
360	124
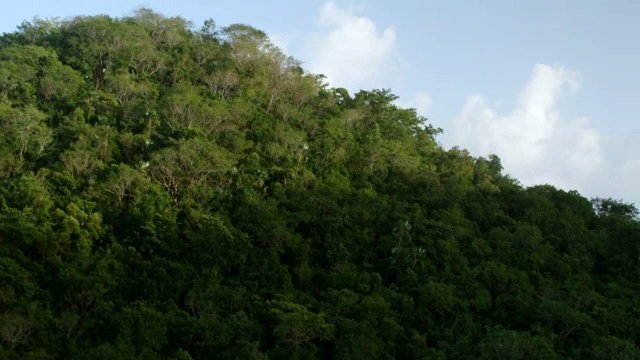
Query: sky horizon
550	87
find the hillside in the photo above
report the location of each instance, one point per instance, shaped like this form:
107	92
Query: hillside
171	193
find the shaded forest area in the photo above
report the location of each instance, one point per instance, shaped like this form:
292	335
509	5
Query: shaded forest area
172	193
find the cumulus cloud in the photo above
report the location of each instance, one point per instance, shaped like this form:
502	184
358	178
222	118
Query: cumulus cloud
536	143
281	40
350	50
421	101
618	178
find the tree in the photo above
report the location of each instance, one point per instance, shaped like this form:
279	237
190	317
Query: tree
177	193
191	164
25	134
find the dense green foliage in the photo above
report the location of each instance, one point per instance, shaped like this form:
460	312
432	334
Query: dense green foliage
167	193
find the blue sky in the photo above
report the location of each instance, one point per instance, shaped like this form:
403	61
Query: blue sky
552	87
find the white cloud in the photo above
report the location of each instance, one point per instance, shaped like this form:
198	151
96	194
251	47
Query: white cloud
536	143
282	40
618	179
421	101
350	50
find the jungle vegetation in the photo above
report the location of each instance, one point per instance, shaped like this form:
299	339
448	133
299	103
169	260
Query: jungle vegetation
175	192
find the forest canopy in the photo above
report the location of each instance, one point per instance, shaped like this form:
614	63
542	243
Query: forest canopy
168	192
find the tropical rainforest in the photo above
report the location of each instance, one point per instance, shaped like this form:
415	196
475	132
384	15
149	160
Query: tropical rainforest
175	192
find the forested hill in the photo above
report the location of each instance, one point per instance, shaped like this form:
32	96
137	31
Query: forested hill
171	193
